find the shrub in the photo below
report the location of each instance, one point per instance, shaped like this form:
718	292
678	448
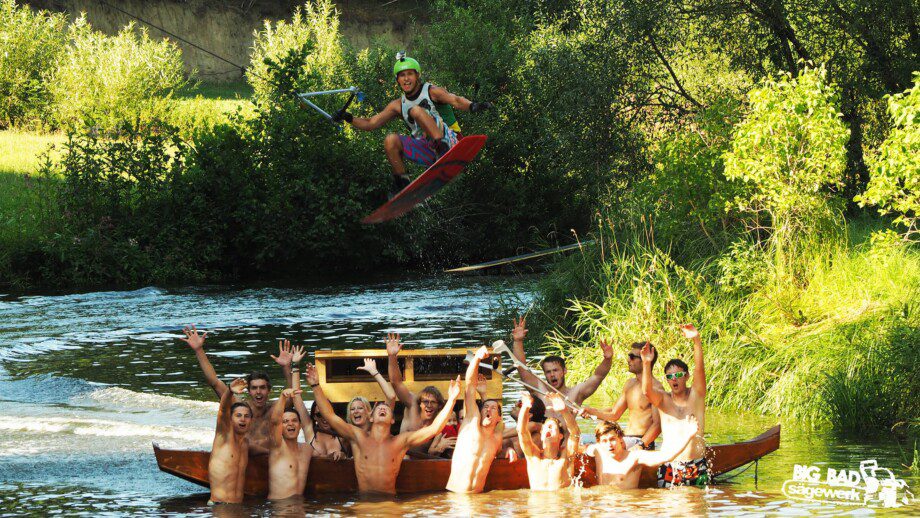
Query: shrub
30	42
788	150
108	82
314	28
895	183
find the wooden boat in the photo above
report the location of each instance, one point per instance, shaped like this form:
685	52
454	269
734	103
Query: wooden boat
327	476
341	381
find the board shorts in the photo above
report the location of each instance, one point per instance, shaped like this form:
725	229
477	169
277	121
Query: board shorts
633	440
684	473
422	151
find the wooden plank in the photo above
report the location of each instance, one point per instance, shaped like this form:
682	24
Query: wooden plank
519	258
345	387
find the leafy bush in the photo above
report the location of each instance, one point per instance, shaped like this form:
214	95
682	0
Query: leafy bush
787	151
313	28
895	182
108	82
30	42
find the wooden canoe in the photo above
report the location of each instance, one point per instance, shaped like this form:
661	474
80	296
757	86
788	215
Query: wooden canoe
415	476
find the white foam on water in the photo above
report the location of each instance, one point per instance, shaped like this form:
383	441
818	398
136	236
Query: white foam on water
120	397
80	434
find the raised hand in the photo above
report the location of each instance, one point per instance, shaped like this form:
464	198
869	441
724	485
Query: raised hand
482	353
393	345
370	367
520	329
526	402
297	354
284	353
606	348
310	374
193	339
647	353
453	392
239	385
689	332
689	425
512	455
556	402
288	393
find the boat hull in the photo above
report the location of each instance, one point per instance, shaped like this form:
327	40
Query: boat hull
423	475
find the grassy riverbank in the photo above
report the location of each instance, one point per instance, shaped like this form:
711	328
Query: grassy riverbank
843	349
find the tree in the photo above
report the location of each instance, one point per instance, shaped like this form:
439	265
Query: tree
788	150
895	183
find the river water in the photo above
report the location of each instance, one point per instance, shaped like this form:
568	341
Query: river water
89	381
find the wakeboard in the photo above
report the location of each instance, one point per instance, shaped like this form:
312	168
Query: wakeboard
431	181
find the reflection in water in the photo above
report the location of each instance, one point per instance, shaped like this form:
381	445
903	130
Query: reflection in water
88	381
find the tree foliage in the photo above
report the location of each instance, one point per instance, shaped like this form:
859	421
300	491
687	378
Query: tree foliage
30	43
895	183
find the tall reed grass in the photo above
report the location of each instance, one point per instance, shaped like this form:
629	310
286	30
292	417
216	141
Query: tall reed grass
843	348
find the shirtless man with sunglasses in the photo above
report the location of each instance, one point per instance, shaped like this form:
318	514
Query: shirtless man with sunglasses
690	467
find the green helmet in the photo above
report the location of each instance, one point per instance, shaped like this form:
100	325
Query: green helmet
404	62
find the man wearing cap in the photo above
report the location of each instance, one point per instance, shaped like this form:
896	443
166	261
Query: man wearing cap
428	113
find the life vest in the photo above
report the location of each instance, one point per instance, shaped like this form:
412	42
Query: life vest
442	113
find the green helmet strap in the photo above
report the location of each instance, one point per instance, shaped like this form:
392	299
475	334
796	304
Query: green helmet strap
406	63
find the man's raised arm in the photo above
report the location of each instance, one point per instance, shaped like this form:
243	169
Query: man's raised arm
306	424
390	112
287	356
584	389
440	95
196	342
470	409
529	447
393	347
370	367
224	415
517	347
342	428
699	370
654	395
421	436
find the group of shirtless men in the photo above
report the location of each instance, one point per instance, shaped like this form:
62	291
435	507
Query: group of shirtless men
547	435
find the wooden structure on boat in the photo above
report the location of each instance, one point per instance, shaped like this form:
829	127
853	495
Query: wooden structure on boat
415	476
341	380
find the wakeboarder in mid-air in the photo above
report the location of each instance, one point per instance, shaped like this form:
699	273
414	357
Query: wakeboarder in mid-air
428	113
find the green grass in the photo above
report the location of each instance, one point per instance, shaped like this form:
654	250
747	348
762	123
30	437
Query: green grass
20	152
844	349
205	104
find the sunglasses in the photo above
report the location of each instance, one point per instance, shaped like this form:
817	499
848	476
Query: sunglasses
675	375
633	356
